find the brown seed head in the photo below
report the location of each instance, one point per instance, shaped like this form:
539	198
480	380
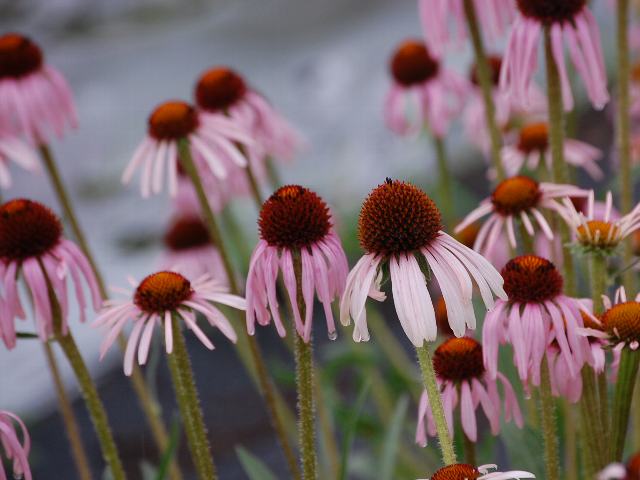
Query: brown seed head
459	359
162	292
19	56
412	64
515	195
173	121
530	278
219	88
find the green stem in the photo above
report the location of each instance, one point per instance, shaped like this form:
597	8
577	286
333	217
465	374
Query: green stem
304	385
248	347
549	431
623	137
433	392
272	172
446	182
593	431
526	239
469	450
486	86
146	400
255	188
68	418
627	376
570	442
598	281
189	405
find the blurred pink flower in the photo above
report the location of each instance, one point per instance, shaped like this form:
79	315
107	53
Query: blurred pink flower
35	99
400	224
570	22
15	451
444	22
536	314
463	382
516	198
213	140
423	93
463	471
33	249
621	471
294	222
154	302
12	148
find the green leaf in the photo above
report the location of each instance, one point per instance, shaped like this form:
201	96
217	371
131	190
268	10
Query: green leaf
350	431
253	466
169	453
392	440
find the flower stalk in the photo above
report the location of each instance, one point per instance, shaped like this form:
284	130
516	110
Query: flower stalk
484	79
248	347
189	405
548	421
627	376
431	385
446	180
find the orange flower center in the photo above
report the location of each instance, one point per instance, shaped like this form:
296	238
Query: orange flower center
530	278
459	359
173	121
412	64
623	321
633	467
294	217
515	195
186	233
162	292
551	11
598	234
27	229
459	471
219	88
19	56
495	64
397	217
534	138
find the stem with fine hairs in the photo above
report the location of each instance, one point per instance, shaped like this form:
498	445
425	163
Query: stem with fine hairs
549	429
486	86
247	345
625	384
78	452
435	400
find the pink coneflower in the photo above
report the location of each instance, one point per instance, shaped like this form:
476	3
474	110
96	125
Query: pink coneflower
222	90
293	222
400	227
536	314
14	149
156	300
15	451
34	97
563	383
600	231
213	140
463	471
423	92
508	110
32	248
444	22
571	22
190	251
463	381
517	198
532	147
620	471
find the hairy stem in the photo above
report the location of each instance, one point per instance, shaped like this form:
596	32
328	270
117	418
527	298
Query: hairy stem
549	429
433	392
627	376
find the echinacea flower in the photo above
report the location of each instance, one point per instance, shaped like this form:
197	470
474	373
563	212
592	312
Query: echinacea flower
532	148
444	22
621	471
212	139
571	22
189	250
14	450
33	249
517	198
295	226
463	382
508	110
619	325
12	148
536	314
400	228
156	300
463	471
423	93
597	231
222	90
34	97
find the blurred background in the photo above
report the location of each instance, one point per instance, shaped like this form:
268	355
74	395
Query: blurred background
323	64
